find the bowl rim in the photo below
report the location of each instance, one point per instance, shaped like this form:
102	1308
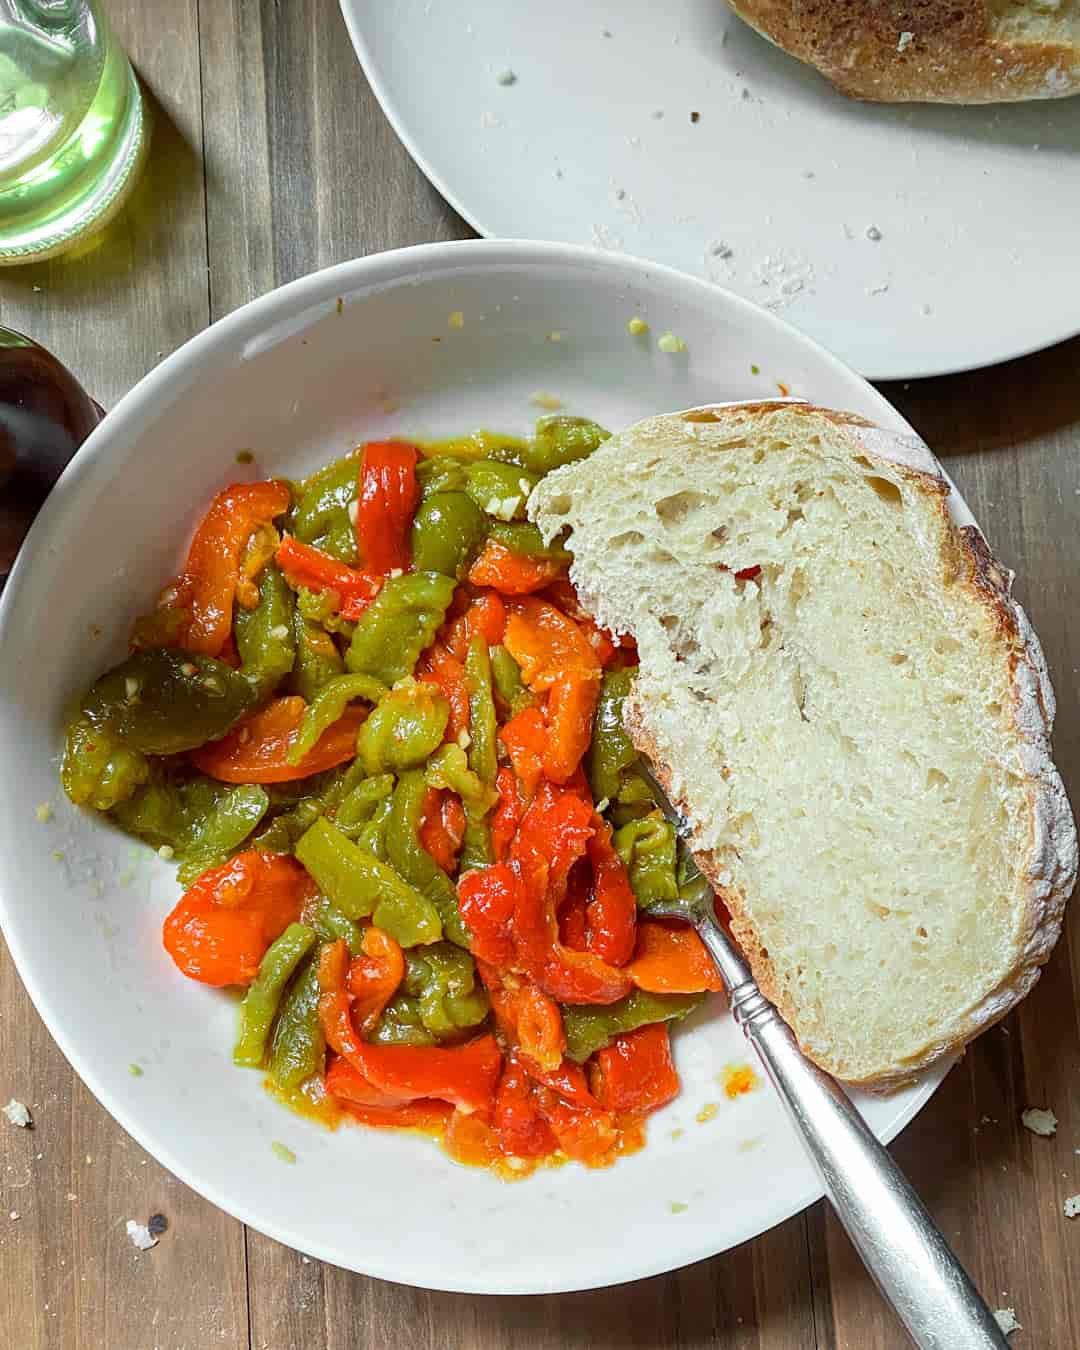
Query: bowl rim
391	267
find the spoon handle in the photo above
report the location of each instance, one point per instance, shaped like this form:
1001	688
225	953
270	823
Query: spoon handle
898	1241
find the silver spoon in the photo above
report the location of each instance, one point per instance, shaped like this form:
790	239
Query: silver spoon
899	1243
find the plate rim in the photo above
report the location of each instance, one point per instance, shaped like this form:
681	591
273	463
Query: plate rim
387	267
350	12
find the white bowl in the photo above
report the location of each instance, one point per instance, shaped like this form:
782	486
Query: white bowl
297	377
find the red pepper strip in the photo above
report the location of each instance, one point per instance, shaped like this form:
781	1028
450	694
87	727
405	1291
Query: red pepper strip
553	835
373	978
512	573
502	987
464	1075
570	710
525	738
347	1084
429	1116
385	505
521	1129
572	912
671	959
436	666
611	914
507	814
315	570
568	1080
586	1135
540	1028
220	929
443	827
635	1074
207	587
256	751
485	615
487	897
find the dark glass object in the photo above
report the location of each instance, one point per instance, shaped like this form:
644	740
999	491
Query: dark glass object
45	415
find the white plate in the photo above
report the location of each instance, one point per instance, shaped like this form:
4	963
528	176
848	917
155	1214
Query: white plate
977	208
294	380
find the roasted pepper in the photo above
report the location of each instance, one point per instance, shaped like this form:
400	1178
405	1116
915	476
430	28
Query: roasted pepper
321	516
385	505
405	728
298	1051
499	489
266	635
411	860
447	532
512	573
611	751
328	707
258	750
671	959
506	676
590	1029
98	769
442	978
162	701
561	440
373	976
635	1073
260	1005
482	723
647	849
310	568
449	769
359	884
611	912
401	622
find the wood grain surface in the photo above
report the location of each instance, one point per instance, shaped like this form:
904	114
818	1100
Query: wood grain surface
271	158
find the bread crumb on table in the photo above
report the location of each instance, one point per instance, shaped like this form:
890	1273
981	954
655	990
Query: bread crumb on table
1006	1320
18	1113
140	1236
1039	1121
637	326
668	342
1071	1207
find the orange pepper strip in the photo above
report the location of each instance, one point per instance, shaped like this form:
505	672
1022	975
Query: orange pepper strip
611	913
555	656
443	827
540	1028
315	570
220	929
212	572
568	1080
373	978
387	498
436	666
256	750
671	959
525	738
486	615
635	1073
512	573
585	1134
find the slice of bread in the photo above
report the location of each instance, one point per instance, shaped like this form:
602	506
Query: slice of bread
858	733
937	51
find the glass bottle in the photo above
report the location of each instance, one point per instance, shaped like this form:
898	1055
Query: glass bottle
72	126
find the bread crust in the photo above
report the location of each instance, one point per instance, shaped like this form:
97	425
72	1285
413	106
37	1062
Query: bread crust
924	51
1050	866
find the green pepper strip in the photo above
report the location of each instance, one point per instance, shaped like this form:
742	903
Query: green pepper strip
406	727
500	489
483	758
447	532
330	924
360	885
611	751
262	998
361	803
317	659
413	861
647	850
562	440
321	516
399	623
327	708
443	980
265	636
528	542
590	1028
401	1023
506	677
298	1051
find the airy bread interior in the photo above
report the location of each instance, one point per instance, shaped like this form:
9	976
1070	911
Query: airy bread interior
838	726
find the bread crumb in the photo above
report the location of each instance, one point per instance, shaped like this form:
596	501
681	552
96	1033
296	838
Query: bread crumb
550	401
456	319
285	1154
506	78
44	812
637	326
140	1236
1039	1122
677	1207
1071	1207
1006	1320
668	342
904	41
707	1113
14	1214
18	1113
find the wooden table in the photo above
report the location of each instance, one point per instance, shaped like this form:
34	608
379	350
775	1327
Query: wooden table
272	158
